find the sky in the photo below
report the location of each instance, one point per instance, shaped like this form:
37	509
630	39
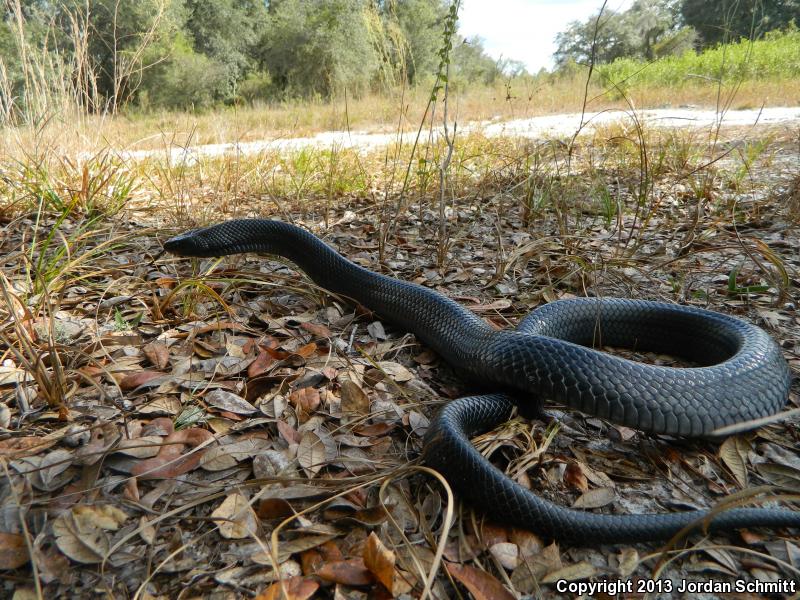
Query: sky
525	30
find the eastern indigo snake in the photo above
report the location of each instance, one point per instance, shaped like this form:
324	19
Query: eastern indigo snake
742	376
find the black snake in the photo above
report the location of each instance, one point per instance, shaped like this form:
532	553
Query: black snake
742	376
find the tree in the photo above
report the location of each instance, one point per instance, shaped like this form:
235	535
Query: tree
606	33
227	33
471	64
421	22
720	20
320	48
637	32
650	22
125	39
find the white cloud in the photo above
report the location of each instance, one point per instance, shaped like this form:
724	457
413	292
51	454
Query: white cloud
525	30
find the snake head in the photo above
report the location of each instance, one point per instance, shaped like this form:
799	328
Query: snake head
191	243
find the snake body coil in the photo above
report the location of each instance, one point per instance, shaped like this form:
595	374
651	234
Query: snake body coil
743	376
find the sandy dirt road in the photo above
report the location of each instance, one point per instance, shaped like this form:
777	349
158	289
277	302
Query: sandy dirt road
550	126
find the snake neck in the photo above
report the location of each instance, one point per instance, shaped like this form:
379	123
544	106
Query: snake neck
447	327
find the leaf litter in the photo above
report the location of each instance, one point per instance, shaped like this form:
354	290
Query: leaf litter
218	428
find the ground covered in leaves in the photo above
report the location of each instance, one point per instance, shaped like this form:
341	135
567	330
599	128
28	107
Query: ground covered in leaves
173	428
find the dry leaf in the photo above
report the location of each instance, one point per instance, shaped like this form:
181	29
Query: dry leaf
288	433
529	543
52	466
237	519
307	350
21	447
13	551
782	475
229	401
295	546
480	584
260	365
376	331
220	457
396	371
134	380
380	561
581	570
354	400
158	354
293	588
306	401
628	561
507	554
274	508
103	516
733	453
146	531
311	453
316	329
169	463
79	538
595	498
139	447
346	572
575	478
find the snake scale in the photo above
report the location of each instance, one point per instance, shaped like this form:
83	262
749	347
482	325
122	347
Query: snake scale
742	376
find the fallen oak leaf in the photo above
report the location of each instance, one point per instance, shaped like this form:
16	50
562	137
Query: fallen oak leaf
507	554
733	453
274	508
293	588
161	426
354	399
295	546
346	572
288	433
310	561
233	326
396	371
311	453
230	402
480	584
103	516
49	474
316	329
306	351
15	448
380	561
81	533
581	570
237	518
157	353
306	401
595	498
301	353
134	380
260	365
575	478
169	463
13	551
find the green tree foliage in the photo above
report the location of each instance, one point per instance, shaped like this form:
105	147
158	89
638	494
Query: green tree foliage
471	64
126	39
197	53
227	32
722	20
318	47
215	52
185	79
641	31
421	22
